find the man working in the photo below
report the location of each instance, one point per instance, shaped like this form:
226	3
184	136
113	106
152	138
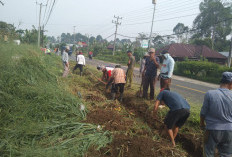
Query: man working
130	70
106	72
118	79
166	71
65	60
178	114
150	70
216	112
80	62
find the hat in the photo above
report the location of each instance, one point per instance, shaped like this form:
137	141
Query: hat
151	50
67	47
118	66
129	51
226	77
164	52
100	67
146	54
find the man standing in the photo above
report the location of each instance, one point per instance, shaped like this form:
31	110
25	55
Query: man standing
216	112
130	70
178	114
65	61
80	62
90	55
166	71
150	70
118	78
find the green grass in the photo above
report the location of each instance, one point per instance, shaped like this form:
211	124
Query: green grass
38	114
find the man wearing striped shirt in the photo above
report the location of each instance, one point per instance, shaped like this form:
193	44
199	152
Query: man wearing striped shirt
118	77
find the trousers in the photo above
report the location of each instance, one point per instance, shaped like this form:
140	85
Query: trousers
149	81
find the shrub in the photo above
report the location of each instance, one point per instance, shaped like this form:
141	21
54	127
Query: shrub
201	70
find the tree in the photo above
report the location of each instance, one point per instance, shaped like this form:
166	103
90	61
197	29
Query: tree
7	29
179	29
99	38
213	21
158	42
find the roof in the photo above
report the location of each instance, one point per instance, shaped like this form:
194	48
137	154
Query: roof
226	54
110	47
190	51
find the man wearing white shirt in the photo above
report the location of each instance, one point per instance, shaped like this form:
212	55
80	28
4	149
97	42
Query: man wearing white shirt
80	63
65	60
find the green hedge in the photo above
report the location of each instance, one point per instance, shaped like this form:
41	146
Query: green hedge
201	70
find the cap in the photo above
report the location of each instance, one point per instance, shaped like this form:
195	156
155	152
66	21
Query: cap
67	47
129	51
146	54
164	52
226	77
151	50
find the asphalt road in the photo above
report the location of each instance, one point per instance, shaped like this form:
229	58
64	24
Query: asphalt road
190	89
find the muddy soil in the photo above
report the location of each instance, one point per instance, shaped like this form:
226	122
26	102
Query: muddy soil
109	119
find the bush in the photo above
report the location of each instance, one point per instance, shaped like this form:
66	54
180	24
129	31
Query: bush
201	70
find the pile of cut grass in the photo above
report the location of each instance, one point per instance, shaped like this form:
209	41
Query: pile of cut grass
38	114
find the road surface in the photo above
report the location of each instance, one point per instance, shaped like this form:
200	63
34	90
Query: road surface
190	89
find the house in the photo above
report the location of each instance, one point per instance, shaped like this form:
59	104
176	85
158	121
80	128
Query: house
193	52
226	54
82	44
110	47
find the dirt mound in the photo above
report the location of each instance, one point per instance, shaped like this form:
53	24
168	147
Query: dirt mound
109	119
191	144
95	98
140	146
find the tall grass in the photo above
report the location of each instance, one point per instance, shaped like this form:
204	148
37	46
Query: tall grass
38	115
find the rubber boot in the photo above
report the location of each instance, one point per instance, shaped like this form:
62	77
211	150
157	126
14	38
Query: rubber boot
80	73
120	97
113	96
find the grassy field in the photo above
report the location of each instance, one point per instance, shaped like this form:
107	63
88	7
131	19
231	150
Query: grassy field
39	116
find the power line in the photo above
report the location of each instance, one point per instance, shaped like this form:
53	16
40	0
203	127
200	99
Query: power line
191	30
110	36
50	12
160	14
159	20
1	2
45	10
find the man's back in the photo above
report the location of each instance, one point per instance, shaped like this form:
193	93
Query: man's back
217	109
80	59
173	100
119	75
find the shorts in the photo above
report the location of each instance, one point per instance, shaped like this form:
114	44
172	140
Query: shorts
176	118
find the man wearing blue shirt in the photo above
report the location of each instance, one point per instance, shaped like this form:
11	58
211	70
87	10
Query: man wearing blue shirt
150	73
216	112
178	114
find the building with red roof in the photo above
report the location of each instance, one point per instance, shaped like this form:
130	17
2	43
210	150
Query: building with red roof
193	52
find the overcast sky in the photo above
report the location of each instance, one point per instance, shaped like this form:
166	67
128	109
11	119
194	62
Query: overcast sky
95	16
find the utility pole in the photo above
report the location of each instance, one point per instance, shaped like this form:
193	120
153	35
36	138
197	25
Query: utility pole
150	38
229	59
115	35
88	35
41	5
74	27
